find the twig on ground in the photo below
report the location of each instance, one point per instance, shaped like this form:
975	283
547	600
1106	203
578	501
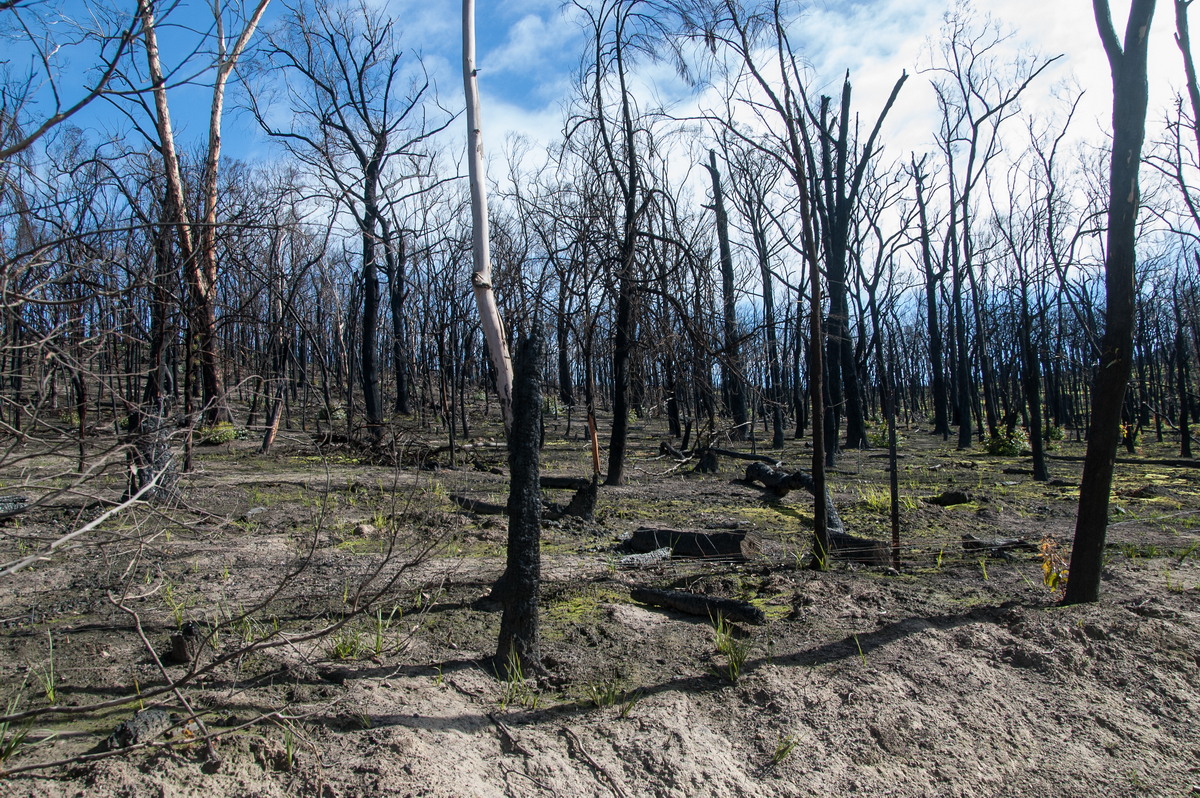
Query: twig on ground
577	746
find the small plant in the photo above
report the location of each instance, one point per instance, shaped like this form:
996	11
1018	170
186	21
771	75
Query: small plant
516	687
438	677
877	436
1172	586
983	567
176	604
628	703
47	677
604	694
735	651
346	643
1189	551
940	555
1054	564
861	655
1007	444
783	749
289	748
1053	432
217	434
612	694
381	628
12	735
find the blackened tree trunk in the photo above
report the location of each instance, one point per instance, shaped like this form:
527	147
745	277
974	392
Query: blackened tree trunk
566	390
774	372
1031	374
396	260
519	646
731	367
1130	98
842	188
1183	378
369	335
933	278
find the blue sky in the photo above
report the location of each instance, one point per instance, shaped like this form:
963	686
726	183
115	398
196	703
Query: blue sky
528	50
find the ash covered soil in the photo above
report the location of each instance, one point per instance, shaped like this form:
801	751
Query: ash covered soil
337	618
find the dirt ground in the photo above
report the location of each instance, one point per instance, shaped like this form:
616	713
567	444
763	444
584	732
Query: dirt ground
338	621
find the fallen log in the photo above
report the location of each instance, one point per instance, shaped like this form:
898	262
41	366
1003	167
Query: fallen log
478	506
702	606
863	550
736	455
781	483
949	498
697	544
996	546
842	545
564	483
582	504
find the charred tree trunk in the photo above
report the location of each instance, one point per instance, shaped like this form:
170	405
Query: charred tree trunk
731	367
1130	99
519	645
933	278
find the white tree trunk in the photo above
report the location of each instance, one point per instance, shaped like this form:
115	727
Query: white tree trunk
481	275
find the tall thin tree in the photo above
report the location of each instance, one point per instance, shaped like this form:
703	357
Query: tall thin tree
1130	99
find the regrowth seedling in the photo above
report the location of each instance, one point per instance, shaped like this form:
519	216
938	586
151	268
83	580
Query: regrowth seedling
346	643
1054	564
612	693
862	656
735	651
12	735
47	676
517	689
783	749
382	625
176	604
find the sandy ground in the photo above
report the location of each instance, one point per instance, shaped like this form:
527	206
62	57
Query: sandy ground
957	675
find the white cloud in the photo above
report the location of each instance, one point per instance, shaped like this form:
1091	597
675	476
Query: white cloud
526	48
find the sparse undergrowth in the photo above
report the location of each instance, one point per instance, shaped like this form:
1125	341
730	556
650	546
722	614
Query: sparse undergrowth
880	671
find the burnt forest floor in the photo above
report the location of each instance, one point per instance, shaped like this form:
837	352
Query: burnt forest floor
336	619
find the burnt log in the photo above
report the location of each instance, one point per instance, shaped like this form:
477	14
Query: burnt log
996	546
697	544
949	498
702	606
842	545
863	550
665	449
736	455
582	504
781	483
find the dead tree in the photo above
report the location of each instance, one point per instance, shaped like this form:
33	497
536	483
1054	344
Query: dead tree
1130	99
519	645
